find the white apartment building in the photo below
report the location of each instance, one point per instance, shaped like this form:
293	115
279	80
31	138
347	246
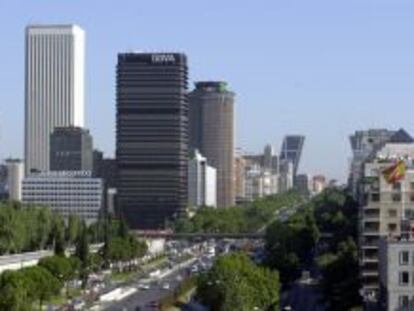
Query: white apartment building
54	87
382	207
396	268
202	182
260	183
71	192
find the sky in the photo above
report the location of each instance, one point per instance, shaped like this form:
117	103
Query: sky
320	68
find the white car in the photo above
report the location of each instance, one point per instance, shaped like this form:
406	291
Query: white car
166	286
143	286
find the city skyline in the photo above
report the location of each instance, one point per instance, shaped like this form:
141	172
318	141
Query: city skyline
350	79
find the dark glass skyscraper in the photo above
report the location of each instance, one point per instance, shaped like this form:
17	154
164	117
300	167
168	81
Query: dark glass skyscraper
151	138
71	149
292	150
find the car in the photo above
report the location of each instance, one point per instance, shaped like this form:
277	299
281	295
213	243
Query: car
143	286
194	269
165	286
155	273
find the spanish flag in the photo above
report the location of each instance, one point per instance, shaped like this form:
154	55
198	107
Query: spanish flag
395	172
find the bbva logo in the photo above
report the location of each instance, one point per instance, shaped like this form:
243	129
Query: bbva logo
162	58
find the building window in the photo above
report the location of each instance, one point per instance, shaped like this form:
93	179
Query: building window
404	258
396	197
396	186
404	278
392	213
375	197
392	227
403	301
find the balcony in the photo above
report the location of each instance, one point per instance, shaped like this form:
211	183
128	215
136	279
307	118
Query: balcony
370	259
369	273
372	206
371	218
369	245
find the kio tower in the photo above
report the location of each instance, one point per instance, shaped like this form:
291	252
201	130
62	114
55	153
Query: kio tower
54	82
211	119
151	138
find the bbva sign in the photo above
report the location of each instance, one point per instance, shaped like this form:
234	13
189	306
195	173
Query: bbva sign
163	58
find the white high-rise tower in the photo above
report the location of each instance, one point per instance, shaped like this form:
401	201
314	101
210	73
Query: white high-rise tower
54	87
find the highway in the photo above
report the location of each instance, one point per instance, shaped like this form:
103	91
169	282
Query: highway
147	298
143	298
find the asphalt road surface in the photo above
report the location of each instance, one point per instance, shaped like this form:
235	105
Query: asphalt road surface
304	297
144	298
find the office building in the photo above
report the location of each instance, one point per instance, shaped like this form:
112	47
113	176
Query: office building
71	149
303	184
151	138
66	193
4	191
382	206
211	129
54	87
202	182
97	157
268	156
104	168
292	150
396	270
15	174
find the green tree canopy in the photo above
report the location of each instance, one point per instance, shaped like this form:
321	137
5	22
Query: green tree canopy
235	283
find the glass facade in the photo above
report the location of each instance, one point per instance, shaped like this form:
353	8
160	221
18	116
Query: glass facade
152	138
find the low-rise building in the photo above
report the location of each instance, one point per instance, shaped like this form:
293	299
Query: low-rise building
66	193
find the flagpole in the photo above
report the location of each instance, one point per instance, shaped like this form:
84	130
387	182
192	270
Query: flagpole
403	199
403	224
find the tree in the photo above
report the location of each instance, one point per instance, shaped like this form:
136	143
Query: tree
58	234
20	289
96	262
40	283
280	251
72	230
123	229
235	283
13	292
340	275
60	267
82	252
42	227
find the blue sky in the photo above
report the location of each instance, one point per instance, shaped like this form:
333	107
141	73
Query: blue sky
321	68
